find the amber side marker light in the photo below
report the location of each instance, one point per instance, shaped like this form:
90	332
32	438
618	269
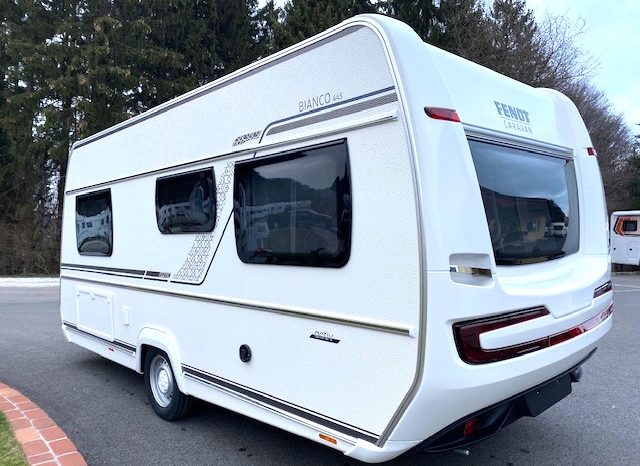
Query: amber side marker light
438	113
328	439
467	335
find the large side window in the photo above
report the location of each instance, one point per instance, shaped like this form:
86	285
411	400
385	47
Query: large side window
294	208
186	203
94	224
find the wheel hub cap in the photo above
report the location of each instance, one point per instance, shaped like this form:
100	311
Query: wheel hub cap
163	381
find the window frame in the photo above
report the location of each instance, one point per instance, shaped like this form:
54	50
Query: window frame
345	228
110	223
213	195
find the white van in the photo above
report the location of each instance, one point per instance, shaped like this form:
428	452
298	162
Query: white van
353	240
625	237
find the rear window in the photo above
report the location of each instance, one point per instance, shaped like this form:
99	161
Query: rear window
531	203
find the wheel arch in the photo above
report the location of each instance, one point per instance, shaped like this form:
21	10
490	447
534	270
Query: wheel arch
152	337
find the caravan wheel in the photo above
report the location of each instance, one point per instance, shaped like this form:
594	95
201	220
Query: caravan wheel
164	395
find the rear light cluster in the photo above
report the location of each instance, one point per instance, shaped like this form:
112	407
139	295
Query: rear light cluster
582	328
467	335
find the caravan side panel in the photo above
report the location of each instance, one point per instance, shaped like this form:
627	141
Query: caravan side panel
334	347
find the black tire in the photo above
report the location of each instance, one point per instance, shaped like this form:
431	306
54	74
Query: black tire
164	395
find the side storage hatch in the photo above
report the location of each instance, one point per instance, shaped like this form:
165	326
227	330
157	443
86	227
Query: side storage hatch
94	309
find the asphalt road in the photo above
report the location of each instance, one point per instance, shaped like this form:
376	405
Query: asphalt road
103	407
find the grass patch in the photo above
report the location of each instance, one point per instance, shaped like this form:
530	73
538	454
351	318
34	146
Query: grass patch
10	450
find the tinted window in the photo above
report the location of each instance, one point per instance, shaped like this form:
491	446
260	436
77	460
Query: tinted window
94	233
294	208
186	202
531	203
629	225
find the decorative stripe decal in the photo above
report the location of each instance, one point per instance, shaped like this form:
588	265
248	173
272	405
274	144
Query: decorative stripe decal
210	379
129	273
105	269
194	269
340	112
618	227
371	324
122	345
212	257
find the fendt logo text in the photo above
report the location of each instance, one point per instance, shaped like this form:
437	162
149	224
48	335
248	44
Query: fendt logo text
514	117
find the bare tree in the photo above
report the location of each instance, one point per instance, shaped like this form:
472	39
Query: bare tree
613	140
560	61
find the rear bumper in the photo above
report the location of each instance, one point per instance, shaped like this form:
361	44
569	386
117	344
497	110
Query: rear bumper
451	389
488	421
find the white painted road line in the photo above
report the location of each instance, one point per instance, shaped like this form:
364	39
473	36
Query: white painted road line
626	286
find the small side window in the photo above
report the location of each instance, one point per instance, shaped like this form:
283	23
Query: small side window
94	237
294	208
186	203
630	225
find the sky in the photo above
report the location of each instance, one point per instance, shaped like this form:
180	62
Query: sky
612	38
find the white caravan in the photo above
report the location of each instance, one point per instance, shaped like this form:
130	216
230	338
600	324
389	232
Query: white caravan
362	239
625	237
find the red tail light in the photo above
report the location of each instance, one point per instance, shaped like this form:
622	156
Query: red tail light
591	151
438	113
582	328
467	335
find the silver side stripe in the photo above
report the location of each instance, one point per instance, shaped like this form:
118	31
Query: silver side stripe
337	113
363	322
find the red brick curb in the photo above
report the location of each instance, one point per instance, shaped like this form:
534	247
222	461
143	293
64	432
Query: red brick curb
43	442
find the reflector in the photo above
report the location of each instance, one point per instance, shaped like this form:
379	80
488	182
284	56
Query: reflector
438	113
470	426
328	439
